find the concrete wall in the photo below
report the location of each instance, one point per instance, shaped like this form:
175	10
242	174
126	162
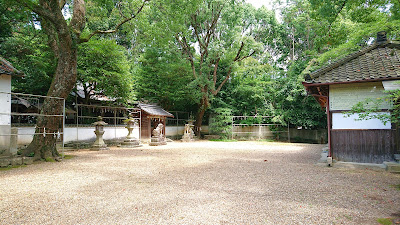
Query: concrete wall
5	117
319	136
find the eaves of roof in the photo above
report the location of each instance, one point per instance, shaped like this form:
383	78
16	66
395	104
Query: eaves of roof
8	69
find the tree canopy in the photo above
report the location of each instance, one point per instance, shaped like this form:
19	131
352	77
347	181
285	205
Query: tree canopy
190	55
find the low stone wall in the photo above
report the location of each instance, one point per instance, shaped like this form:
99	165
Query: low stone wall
319	136
252	132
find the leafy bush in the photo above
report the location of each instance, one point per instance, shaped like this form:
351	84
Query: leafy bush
221	122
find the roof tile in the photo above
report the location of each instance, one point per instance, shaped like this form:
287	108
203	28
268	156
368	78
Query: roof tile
379	61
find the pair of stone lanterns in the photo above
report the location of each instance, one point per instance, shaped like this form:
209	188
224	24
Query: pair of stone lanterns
129	142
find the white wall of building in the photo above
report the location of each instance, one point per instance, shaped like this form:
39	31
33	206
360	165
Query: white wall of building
340	121
5	111
345	96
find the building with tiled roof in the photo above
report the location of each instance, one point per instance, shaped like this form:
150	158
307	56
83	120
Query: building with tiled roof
152	115
361	76
7	69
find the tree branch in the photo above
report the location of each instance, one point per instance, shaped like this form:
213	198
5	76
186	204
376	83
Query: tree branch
196	32
236	59
215	72
117	27
186	50
337	14
36	8
78	17
215	92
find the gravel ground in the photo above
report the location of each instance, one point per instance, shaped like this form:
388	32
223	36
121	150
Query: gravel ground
197	183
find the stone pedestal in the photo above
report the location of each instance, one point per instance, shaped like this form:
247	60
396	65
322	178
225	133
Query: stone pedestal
188	134
99	131
130	140
158	137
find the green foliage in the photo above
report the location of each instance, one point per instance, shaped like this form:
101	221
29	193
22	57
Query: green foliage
162	76
103	69
221	122
371	108
29	53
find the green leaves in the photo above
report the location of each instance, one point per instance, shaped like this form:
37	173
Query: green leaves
103	69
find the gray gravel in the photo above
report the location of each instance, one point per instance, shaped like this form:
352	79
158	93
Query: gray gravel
197	183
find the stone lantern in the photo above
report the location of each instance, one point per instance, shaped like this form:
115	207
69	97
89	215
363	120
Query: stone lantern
99	131
130	140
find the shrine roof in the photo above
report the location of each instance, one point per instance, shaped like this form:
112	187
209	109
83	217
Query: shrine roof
154	110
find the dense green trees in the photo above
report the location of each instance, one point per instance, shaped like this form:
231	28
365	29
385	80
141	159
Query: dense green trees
189	55
103	70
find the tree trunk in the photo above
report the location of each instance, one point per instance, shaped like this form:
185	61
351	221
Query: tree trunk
203	106
44	146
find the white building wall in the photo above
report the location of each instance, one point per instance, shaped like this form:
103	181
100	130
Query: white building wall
345	96
5	111
340	121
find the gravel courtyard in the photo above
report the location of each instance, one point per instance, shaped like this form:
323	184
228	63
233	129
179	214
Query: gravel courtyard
197	183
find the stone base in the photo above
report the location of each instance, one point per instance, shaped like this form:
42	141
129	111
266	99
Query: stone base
392	167
99	147
156	141
15	161
130	143
187	138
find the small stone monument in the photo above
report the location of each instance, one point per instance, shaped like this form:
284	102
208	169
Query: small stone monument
99	131
157	137
130	140
188	135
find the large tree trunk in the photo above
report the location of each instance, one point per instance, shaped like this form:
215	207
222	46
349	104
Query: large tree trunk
203	106
42	145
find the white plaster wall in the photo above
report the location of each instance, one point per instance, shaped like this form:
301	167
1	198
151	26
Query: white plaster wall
5	114
174	130
339	121
344	96
178	130
5	100
25	134
5	131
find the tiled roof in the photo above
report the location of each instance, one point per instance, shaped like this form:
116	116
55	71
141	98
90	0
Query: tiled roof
154	110
7	68
377	62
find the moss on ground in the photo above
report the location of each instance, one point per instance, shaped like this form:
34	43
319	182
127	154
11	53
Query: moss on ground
11	167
